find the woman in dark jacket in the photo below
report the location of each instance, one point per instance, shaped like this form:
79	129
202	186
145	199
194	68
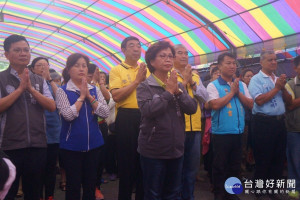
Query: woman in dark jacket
162	102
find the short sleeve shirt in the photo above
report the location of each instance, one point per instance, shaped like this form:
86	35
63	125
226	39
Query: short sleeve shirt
214	94
121	76
261	84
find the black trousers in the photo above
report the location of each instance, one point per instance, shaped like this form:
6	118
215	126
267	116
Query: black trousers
129	169
111	153
29	163
49	173
269	147
102	156
81	169
208	161
227	156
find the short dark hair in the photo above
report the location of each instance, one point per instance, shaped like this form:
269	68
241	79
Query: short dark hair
223	55
213	64
51	70
91	68
297	61
244	71
124	42
12	39
101	72
154	49
106	77
214	70
71	61
34	61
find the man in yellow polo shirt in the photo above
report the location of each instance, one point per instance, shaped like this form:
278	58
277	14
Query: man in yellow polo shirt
123	81
195	89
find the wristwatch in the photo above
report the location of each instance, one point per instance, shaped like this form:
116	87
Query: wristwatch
80	100
50	80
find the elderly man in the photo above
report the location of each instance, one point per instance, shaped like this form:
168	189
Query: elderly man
268	126
227	98
195	88
23	98
123	81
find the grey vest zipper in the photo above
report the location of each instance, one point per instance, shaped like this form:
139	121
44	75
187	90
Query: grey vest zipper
27	119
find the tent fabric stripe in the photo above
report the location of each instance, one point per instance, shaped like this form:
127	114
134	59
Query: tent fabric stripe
58	28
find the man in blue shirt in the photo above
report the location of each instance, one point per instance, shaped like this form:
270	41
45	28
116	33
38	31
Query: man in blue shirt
269	132
227	98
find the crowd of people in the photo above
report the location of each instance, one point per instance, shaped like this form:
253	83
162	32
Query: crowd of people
147	124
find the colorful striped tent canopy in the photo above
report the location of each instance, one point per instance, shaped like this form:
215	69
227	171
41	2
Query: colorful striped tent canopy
57	28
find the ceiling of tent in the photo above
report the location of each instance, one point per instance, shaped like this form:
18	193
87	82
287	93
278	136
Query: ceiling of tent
57	28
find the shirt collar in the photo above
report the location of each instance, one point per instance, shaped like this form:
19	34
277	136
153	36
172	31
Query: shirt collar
265	75
72	87
297	80
15	73
126	66
151	81
161	84
222	81
178	72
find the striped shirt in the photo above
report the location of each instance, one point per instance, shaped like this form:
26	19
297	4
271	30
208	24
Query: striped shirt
69	112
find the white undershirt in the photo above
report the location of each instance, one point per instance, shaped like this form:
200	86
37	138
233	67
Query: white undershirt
214	94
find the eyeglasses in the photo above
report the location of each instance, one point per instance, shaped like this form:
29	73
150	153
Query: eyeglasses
19	50
182	53
165	56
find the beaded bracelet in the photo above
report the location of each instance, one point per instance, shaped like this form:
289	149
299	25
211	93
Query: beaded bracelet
94	101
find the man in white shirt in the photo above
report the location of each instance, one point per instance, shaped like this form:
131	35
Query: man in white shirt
227	98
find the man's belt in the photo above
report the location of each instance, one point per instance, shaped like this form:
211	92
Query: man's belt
271	117
131	110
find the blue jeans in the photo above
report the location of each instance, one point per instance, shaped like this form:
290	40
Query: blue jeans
161	178
191	163
293	158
